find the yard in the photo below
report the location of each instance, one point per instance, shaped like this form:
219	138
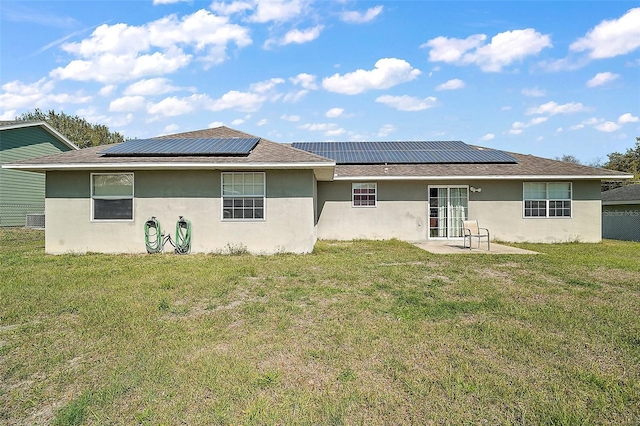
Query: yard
356	333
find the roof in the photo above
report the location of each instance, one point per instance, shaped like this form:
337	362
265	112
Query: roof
405	152
17	124
265	155
629	194
527	167
272	155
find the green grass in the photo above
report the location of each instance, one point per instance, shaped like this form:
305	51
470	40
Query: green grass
358	332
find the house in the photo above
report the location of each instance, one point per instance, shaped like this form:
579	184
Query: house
22	192
621	213
239	190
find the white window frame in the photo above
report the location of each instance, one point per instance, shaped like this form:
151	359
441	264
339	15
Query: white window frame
132	197
353	194
263	195
547	201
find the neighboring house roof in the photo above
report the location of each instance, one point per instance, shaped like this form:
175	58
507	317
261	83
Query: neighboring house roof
265	155
272	155
629	194
9	125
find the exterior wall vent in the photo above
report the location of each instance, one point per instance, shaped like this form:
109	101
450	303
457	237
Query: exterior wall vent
35	220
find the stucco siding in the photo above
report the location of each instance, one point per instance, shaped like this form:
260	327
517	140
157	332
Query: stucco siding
288	224
499	208
402	212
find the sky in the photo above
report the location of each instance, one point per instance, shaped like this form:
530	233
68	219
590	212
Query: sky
547	78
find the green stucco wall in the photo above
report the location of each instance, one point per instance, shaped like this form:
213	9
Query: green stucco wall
23	192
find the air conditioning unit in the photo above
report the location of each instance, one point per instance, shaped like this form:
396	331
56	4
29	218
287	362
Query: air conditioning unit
35	220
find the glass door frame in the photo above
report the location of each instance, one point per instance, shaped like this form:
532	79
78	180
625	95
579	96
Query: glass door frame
433	213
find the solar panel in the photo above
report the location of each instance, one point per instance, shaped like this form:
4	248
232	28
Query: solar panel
404	152
183	146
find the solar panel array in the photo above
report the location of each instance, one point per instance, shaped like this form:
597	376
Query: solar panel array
406	152
183	146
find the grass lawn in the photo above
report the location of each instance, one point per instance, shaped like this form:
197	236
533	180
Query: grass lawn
356	333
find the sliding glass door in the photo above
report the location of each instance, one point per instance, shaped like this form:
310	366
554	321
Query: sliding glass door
448	207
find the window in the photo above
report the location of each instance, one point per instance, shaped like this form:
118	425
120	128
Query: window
547	199
364	194
112	196
243	195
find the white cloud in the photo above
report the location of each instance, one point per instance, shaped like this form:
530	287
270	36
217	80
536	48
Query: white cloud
170	128
329	129
335	132
334	112
266	86
291	118
518	126
9	115
451	85
107	90
262	122
150	87
386	130
17	94
388	72
407	103
294	97
214	124
307	81
237	122
627	118
553	108
602	78
611	37
534	92
171	107
121	52
127	103
488	137
227	9
242	101
318	127
302	36
355	17
608	127
503	49
276	10
451	50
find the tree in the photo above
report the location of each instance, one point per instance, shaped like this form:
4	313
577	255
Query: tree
628	162
78	130
568	158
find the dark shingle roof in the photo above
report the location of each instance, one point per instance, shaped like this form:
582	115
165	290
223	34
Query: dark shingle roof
264	152
527	166
268	153
629	193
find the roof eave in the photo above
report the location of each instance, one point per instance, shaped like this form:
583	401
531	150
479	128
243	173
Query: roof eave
487	177
323	171
619	203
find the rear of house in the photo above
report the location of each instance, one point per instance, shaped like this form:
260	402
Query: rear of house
244	192
22	193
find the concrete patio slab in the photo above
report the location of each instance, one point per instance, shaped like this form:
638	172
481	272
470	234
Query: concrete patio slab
455	247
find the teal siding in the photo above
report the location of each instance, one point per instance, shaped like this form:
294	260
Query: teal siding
23	192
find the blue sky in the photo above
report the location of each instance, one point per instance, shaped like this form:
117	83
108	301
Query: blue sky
539	77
